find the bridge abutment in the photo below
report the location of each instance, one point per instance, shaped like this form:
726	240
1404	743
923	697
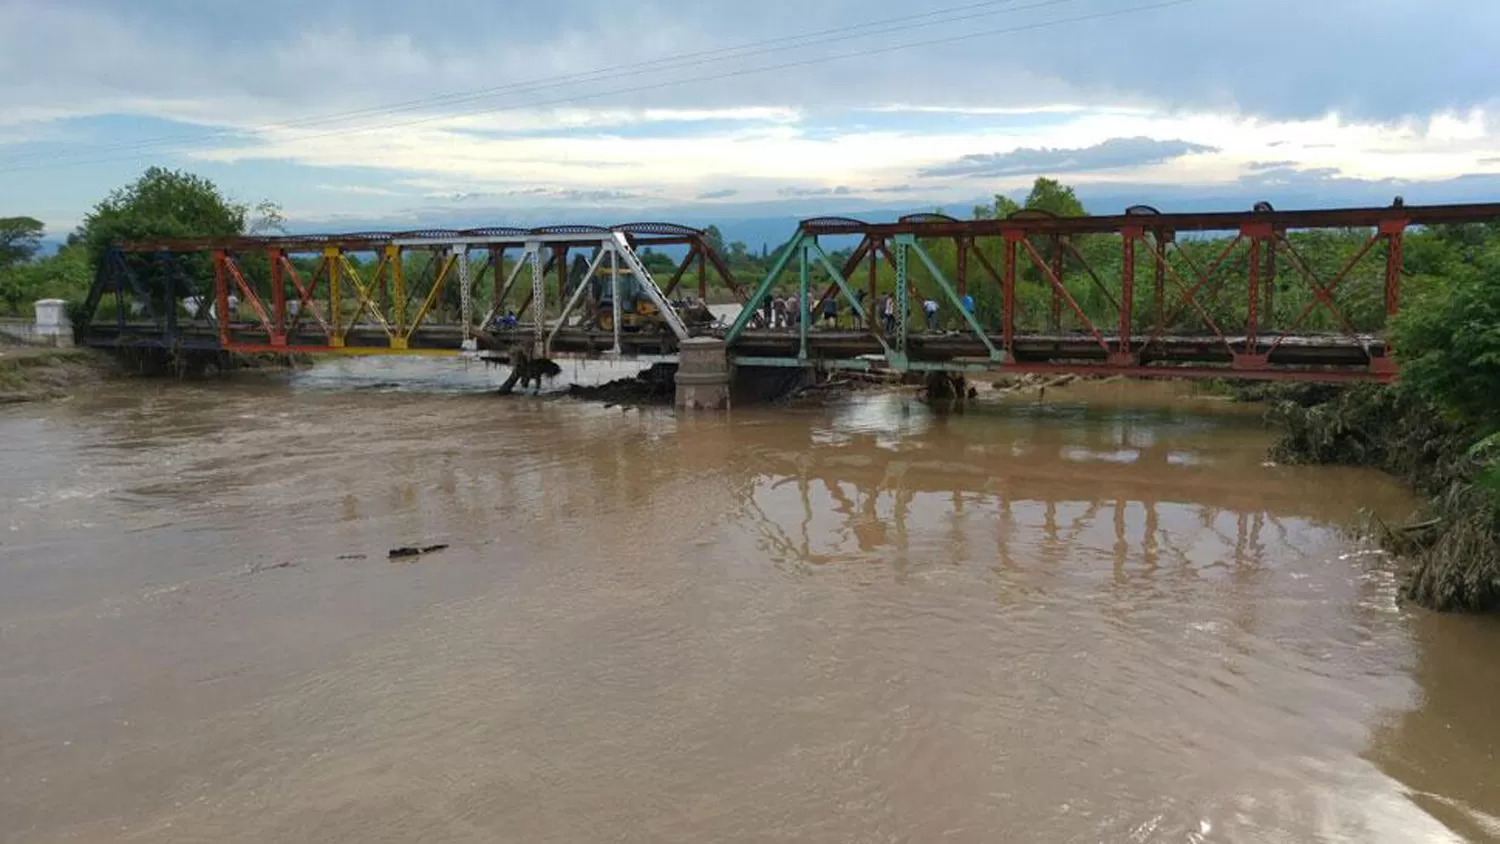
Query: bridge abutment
703	374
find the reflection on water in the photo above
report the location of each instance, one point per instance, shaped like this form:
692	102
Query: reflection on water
1105	621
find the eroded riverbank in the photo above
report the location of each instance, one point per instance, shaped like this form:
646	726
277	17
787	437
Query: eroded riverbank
1065	619
38	374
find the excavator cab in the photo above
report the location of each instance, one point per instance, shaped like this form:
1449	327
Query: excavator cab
637	311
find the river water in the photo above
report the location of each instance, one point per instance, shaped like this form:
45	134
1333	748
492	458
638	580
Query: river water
1102	618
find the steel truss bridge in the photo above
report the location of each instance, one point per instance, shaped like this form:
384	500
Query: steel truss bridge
366	293
361	293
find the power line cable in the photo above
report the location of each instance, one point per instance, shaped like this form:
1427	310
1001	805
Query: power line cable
880	27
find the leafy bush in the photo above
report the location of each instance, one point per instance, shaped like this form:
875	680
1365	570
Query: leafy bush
1449	344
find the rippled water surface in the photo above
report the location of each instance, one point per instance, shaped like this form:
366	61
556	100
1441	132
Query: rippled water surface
1102	618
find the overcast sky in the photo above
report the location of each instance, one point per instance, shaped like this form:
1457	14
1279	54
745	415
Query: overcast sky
402	113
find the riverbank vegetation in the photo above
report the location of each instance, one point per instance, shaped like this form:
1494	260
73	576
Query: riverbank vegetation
1438	429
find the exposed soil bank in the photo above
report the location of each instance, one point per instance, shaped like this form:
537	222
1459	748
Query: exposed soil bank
1455	556
29	373
35	374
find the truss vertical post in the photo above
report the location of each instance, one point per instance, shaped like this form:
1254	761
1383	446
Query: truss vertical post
962	268
331	263
903	298
614	295
802	294
465	296
1124	352
1394	231
1008	295
1252	303
538	307
872	295
702	276
1160	292
393	259
221	293
1259	234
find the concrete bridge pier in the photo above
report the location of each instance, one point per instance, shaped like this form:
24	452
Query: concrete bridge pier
703	374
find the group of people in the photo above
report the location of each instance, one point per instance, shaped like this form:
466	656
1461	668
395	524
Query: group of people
787	311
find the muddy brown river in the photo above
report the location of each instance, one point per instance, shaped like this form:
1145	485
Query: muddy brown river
1102	618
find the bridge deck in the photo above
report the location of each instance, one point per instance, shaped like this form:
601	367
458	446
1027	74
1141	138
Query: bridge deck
1333	356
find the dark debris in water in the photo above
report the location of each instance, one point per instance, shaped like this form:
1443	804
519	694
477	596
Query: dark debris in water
654	385
260	567
409	551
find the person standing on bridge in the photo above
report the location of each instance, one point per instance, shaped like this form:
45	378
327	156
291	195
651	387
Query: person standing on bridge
930	309
831	312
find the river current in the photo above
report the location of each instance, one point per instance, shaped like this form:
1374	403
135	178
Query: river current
1101	617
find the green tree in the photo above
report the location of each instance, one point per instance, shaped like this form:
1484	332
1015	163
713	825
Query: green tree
170	204
162	204
715	238
1004	207
1054	197
65	275
657	262
20	238
1048	195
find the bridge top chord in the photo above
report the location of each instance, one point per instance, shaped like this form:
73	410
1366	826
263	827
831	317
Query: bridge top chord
647	233
1029	222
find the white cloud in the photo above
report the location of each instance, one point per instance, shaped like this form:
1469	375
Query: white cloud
765	157
298	75
999	111
360	190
